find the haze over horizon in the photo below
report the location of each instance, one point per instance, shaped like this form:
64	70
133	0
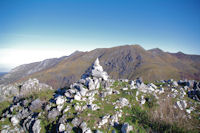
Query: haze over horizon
36	30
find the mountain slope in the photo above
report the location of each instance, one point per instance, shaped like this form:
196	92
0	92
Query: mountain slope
28	69
129	61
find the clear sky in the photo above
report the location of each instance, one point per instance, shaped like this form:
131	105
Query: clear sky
33	30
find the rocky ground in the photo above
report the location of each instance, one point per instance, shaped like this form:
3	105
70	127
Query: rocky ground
96	103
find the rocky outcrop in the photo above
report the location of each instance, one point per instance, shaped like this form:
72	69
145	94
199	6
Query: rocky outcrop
22	89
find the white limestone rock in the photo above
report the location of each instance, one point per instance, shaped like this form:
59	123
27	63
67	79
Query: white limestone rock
122	102
125	89
60	100
61	127
181	104
14	120
36	127
66	109
93	107
103	121
77	97
83	91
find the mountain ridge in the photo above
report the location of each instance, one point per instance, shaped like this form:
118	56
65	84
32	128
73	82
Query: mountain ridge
128	61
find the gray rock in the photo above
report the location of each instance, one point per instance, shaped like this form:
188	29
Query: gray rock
83	91
33	85
47	107
62	119
93	107
14	120
7	91
76	122
103	121
53	113
68	128
36	104
174	83
60	100
77	97
68	94
24	113
61	127
90	84
123	102
36	127
83	126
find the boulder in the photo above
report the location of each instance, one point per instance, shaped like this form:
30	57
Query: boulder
68	94
32	85
36	127
77	108
93	107
77	97
53	113
122	102
61	128
125	89
36	104
68	128
90	84
174	83
7	91
84	128
104	120
83	91
14	120
76	122
60	100
60	107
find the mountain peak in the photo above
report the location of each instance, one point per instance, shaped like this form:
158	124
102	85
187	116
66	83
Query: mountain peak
75	52
156	50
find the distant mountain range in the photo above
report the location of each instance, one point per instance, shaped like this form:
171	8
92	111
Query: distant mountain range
129	61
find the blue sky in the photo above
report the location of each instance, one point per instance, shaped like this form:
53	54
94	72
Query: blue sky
32	30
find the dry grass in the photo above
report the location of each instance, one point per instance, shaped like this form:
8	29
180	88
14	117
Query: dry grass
168	114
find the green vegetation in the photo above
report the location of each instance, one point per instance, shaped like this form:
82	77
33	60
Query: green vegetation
3	106
42	95
5	122
151	101
159	84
